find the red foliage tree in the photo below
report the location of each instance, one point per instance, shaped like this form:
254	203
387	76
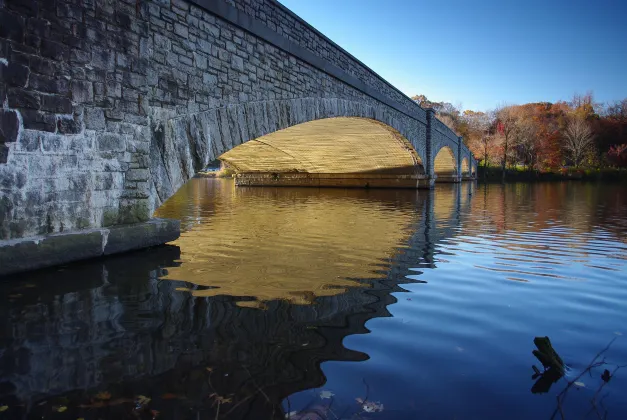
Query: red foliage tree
617	155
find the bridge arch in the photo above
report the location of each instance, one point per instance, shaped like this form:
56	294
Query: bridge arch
445	164
184	145
465	167
338	145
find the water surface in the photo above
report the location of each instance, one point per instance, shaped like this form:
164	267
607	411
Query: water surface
333	303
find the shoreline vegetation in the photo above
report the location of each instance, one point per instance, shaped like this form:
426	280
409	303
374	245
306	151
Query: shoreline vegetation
493	174
576	139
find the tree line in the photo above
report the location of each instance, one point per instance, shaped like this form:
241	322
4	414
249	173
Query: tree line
542	136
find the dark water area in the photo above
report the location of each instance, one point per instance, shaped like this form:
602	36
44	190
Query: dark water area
334	304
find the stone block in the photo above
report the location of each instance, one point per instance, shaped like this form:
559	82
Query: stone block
237	63
29	141
133	211
54	50
9	126
51	143
114	114
181	30
82	92
78	56
43	66
103	60
4	153
26	7
108	142
14	74
94	119
11	26
137	175
114	89
48	84
37	120
56	103
69	124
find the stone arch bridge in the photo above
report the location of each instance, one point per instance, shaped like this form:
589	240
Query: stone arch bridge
108	107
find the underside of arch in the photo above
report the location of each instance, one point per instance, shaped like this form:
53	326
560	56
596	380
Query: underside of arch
444	162
465	166
341	145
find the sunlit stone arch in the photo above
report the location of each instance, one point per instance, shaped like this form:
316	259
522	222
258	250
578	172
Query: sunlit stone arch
339	145
183	145
444	164
465	168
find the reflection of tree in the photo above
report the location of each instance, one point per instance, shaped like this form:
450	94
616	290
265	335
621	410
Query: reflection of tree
579	207
554	369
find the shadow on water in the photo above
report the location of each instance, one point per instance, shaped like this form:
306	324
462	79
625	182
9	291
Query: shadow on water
202	329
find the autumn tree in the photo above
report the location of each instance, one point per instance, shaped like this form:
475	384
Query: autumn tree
578	139
505	125
617	155
524	139
446	112
477	127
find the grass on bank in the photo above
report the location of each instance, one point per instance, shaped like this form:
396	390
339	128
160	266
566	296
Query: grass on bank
518	174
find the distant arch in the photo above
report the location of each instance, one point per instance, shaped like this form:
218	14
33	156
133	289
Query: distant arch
444	163
465	166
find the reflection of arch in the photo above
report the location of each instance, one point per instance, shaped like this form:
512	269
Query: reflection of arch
444	163
341	145
465	167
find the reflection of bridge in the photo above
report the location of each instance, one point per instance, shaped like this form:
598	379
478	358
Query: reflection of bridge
115	326
101	130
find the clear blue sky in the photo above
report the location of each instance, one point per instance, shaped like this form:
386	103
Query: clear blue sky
483	53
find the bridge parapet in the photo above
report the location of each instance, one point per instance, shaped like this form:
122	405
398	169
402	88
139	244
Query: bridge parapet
293	28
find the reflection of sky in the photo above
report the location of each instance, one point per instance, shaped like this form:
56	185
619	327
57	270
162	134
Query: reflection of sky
532	261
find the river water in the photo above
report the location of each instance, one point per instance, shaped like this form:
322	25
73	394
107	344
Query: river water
335	304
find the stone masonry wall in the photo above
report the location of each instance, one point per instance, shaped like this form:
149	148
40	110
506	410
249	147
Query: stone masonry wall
103	102
284	22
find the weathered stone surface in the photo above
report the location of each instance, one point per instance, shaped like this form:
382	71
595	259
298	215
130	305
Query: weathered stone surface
9	126
111	142
14	74
43	251
22	98
141	235
94	119
69	124
56	103
82	91
4	153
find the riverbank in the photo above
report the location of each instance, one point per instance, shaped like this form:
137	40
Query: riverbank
494	174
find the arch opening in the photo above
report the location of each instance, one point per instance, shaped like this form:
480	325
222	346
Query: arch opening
444	164
465	167
364	151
